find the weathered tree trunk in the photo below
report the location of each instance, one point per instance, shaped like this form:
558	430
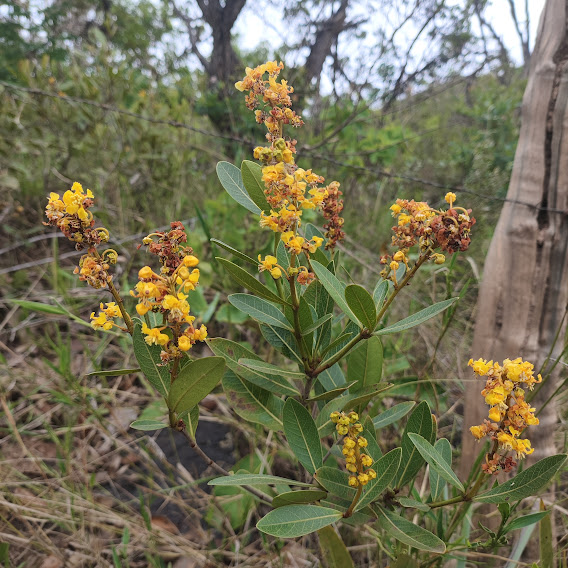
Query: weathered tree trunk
524	291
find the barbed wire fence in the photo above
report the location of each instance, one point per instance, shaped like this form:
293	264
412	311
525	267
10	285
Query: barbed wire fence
378	172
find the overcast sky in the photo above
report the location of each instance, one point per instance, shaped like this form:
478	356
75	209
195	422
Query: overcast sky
251	26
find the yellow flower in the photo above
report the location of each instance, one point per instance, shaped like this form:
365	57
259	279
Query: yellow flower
450	198
190	261
477	432
145	273
100	321
481	366
184	343
353	481
496	396
396	209
495	414
154	336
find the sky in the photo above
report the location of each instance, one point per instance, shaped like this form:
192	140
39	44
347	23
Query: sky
252	26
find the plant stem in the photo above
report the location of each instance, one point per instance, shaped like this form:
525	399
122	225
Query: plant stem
221	470
437	504
117	298
349	511
365	333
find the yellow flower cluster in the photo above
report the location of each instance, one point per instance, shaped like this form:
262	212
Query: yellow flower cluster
104	319
357	461
270	264
164	293
71	215
509	413
288	189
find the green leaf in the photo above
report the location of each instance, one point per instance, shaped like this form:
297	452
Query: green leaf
365	364
255	479
380	292
363	397
249	282
302	435
297	497
257	374
113	373
413	504
362	305
334	289
251	174
408	533
292	521
335	481
332	378
373	448
269	369
244	257
525	521
419	422
260	310
386	469
437	483
393	414
194	382
39	307
148	425
317	324
282	339
417	318
436	460
330	395
333	549
231	180
253	403
191	420
148	357
546	544
526	483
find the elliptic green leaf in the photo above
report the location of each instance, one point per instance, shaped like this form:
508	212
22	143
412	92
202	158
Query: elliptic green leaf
292	521
259	309
365	364
437	483
386	469
231	180
148	357
393	414
250	282
302	435
253	403
335	481
436	460
298	497
362	305
334	288
408	533
269	369
417	318
525	484
525	521
194	382
244	257
255	479
419	422
282	339
318	323
251	174
147	424
333	549
39	307
113	373
332	378
380	292
413	504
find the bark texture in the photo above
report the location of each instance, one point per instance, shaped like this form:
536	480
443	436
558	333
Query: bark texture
524	291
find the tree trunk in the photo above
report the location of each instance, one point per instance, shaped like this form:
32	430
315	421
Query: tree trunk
523	295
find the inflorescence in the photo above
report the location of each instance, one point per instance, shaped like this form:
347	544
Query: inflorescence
509	414
289	189
417	223
358	463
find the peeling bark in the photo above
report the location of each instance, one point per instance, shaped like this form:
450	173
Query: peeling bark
524	291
